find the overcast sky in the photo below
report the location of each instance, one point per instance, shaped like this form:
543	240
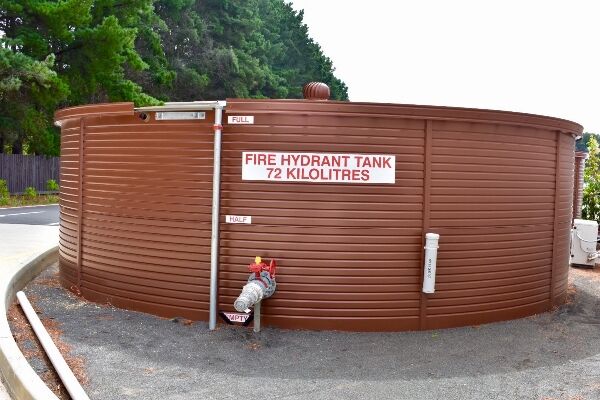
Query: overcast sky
531	56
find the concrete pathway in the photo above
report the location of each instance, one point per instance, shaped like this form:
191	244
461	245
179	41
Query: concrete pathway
19	243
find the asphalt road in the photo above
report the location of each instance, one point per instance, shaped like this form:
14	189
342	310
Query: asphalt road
34	215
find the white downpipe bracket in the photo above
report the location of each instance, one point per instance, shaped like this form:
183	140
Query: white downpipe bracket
214	239
431	248
60	365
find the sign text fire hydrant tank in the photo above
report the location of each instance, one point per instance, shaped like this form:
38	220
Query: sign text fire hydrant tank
318	167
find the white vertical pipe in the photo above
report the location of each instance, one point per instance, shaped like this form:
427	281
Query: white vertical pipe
214	239
60	365
431	247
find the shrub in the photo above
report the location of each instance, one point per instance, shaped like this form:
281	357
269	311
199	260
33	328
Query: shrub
3	188
591	192
4	194
52	186
30	193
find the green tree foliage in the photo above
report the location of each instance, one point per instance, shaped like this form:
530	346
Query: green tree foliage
59	53
294	55
582	144
240	48
29	92
93	42
591	176
66	53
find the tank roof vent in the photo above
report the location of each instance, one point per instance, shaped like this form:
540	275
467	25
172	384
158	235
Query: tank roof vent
316	91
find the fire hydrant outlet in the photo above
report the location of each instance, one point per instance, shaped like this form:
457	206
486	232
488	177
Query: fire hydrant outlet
252	293
261	285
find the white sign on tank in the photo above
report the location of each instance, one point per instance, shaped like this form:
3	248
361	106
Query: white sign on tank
318	167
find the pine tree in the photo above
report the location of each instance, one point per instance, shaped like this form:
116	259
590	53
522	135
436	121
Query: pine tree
85	48
63	53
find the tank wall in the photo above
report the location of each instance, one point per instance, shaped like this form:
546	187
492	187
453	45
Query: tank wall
347	253
563	220
145	220
487	188
349	256
492	201
70	203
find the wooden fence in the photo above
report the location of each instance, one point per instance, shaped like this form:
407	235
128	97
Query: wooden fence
22	171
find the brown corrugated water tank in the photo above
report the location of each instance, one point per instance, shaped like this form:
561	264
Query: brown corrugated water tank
496	186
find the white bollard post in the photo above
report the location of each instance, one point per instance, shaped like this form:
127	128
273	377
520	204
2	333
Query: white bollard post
431	246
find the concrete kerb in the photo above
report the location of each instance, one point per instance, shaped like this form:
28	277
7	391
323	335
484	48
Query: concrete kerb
19	377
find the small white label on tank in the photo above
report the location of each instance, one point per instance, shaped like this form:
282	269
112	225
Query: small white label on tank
179	115
236	317
241	119
238	219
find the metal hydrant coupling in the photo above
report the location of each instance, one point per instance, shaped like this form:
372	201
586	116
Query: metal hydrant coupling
261	285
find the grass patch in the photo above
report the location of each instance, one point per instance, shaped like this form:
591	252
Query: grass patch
24	200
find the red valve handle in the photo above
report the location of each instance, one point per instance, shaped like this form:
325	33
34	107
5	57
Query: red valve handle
257	268
272	268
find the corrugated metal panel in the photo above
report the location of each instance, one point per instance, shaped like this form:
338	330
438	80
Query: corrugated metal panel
146	215
346	253
563	222
69	202
497	186
493	204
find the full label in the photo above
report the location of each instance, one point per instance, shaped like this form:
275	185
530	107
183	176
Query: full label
240	119
318	167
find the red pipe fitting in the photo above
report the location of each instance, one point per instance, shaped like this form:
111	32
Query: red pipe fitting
259	266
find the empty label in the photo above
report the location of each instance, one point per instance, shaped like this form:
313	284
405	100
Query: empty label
236	317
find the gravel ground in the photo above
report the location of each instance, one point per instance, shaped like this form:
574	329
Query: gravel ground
137	356
3	393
